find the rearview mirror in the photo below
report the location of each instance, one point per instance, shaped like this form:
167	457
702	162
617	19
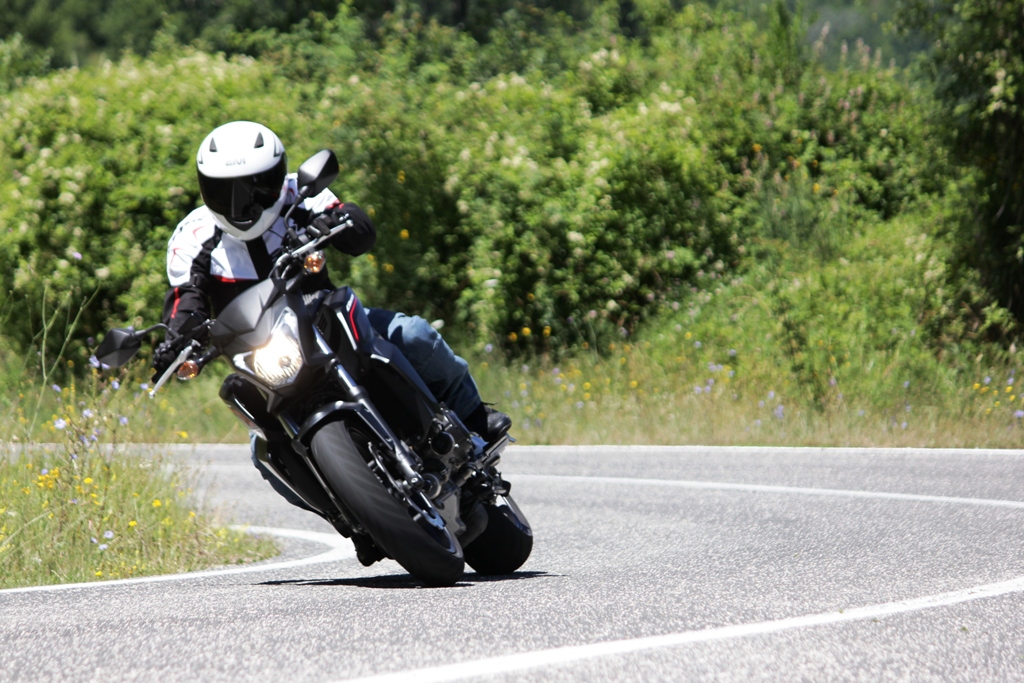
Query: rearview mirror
118	347
317	172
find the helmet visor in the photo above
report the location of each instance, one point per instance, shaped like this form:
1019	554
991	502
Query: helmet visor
243	200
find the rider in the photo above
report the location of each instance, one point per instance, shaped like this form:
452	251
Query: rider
229	244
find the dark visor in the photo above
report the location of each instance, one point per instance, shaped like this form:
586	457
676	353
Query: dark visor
244	199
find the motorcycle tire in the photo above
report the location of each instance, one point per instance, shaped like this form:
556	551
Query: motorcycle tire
505	544
407	529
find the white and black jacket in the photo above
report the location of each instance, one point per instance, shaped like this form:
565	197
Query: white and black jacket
207	267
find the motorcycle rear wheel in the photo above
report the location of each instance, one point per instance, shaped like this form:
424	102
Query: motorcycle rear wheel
505	544
406	526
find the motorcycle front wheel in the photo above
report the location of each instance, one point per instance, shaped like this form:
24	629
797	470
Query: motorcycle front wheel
405	525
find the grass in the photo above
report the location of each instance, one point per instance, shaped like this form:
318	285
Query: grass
88	506
632	398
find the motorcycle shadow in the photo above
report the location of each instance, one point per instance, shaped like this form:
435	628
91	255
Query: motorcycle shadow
404	581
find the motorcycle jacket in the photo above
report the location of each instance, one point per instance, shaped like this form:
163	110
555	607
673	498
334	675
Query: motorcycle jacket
208	267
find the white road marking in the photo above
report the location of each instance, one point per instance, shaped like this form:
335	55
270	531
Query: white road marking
761	488
340	549
562	655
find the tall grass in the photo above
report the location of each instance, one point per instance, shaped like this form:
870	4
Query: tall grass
79	499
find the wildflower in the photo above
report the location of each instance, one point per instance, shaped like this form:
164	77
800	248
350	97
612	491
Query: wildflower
123	420
860	413
94	540
108	534
760	404
696	344
976	386
987	380
132	524
488	348
103	546
832	381
157	503
906	385
526	332
779	411
144	386
98	574
732	352
61	423
771	395
1018	414
44	471
698	389
404	234
76	255
87	480
87	413
757	423
707	389
903	425
55	388
115	385
579	405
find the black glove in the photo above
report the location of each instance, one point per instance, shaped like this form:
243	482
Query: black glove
327	221
163	355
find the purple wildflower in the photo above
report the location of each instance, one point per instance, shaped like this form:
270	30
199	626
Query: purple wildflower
123	420
60	423
779	411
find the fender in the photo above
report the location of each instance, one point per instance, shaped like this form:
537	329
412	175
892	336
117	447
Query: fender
337	410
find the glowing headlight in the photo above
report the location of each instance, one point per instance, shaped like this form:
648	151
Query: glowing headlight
280	359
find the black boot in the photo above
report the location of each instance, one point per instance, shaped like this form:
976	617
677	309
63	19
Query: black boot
367	552
489	423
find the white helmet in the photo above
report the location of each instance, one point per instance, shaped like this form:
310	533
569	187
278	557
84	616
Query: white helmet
242	167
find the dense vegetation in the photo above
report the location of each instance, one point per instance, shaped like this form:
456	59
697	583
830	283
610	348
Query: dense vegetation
557	178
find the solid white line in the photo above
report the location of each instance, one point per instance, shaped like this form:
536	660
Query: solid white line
563	655
762	488
340	549
529	660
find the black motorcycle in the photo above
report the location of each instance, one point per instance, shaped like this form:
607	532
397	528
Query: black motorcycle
345	422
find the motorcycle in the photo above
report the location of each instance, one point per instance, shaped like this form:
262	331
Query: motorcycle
361	439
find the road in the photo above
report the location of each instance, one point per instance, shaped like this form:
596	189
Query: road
650	564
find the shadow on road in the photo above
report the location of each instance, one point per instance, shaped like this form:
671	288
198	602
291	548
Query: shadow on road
393	581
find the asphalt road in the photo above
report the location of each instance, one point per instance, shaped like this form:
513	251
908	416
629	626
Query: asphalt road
649	564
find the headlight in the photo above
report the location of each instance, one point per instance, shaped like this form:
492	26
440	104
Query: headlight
279	360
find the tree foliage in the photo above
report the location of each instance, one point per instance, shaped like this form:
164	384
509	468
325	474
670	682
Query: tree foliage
978	68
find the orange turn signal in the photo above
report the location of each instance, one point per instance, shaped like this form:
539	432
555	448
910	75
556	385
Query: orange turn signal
315	262
188	369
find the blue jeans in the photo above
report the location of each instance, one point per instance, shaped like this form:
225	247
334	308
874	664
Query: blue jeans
445	374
